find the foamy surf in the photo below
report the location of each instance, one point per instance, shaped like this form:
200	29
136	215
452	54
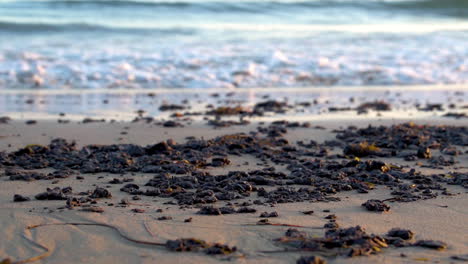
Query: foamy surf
74	44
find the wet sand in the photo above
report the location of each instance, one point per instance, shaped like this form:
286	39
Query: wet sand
311	103
443	218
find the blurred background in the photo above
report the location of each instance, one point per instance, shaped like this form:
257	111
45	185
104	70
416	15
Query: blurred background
58	44
112	57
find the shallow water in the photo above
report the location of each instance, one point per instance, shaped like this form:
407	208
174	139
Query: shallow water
251	43
123	104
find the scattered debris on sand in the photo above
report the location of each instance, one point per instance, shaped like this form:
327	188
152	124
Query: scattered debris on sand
352	242
306	171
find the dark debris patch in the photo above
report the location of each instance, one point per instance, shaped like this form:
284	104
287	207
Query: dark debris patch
171	107
92	120
311	173
228	110
396	138
19	175
164	218
362	149
432	244
54	194
268	215
456	115
227	123
101	193
7	260
353	241
311	260
20	198
171	123
4	119
460	257
270	106
376	106
92	209
376	206
424	153
404	234
198	245
210	210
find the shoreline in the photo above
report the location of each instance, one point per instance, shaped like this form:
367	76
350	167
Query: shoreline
305	103
306	89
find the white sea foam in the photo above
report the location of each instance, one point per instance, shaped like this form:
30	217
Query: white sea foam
248	43
324	60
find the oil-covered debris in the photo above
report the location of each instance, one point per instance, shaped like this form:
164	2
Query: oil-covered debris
78	201
54	194
431	107
364	107
219	162
396	138
101	193
454	178
24	175
456	115
290	194
376	205
441	161
198	245
353	241
227	110
92	120
311	260
210	210
404	234
171	107
5	119
362	149
432	244
460	257
227	123
30	122
171	123
271	214
20	198
92	209
424	153
270	106
339	109
18	175
246	210
311	173
376	106
7	260
164	218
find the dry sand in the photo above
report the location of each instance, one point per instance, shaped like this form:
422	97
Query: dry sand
444	218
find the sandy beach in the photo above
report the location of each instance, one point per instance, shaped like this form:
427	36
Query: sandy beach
233	131
159	219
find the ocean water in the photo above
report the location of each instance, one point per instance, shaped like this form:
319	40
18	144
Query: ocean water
98	44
